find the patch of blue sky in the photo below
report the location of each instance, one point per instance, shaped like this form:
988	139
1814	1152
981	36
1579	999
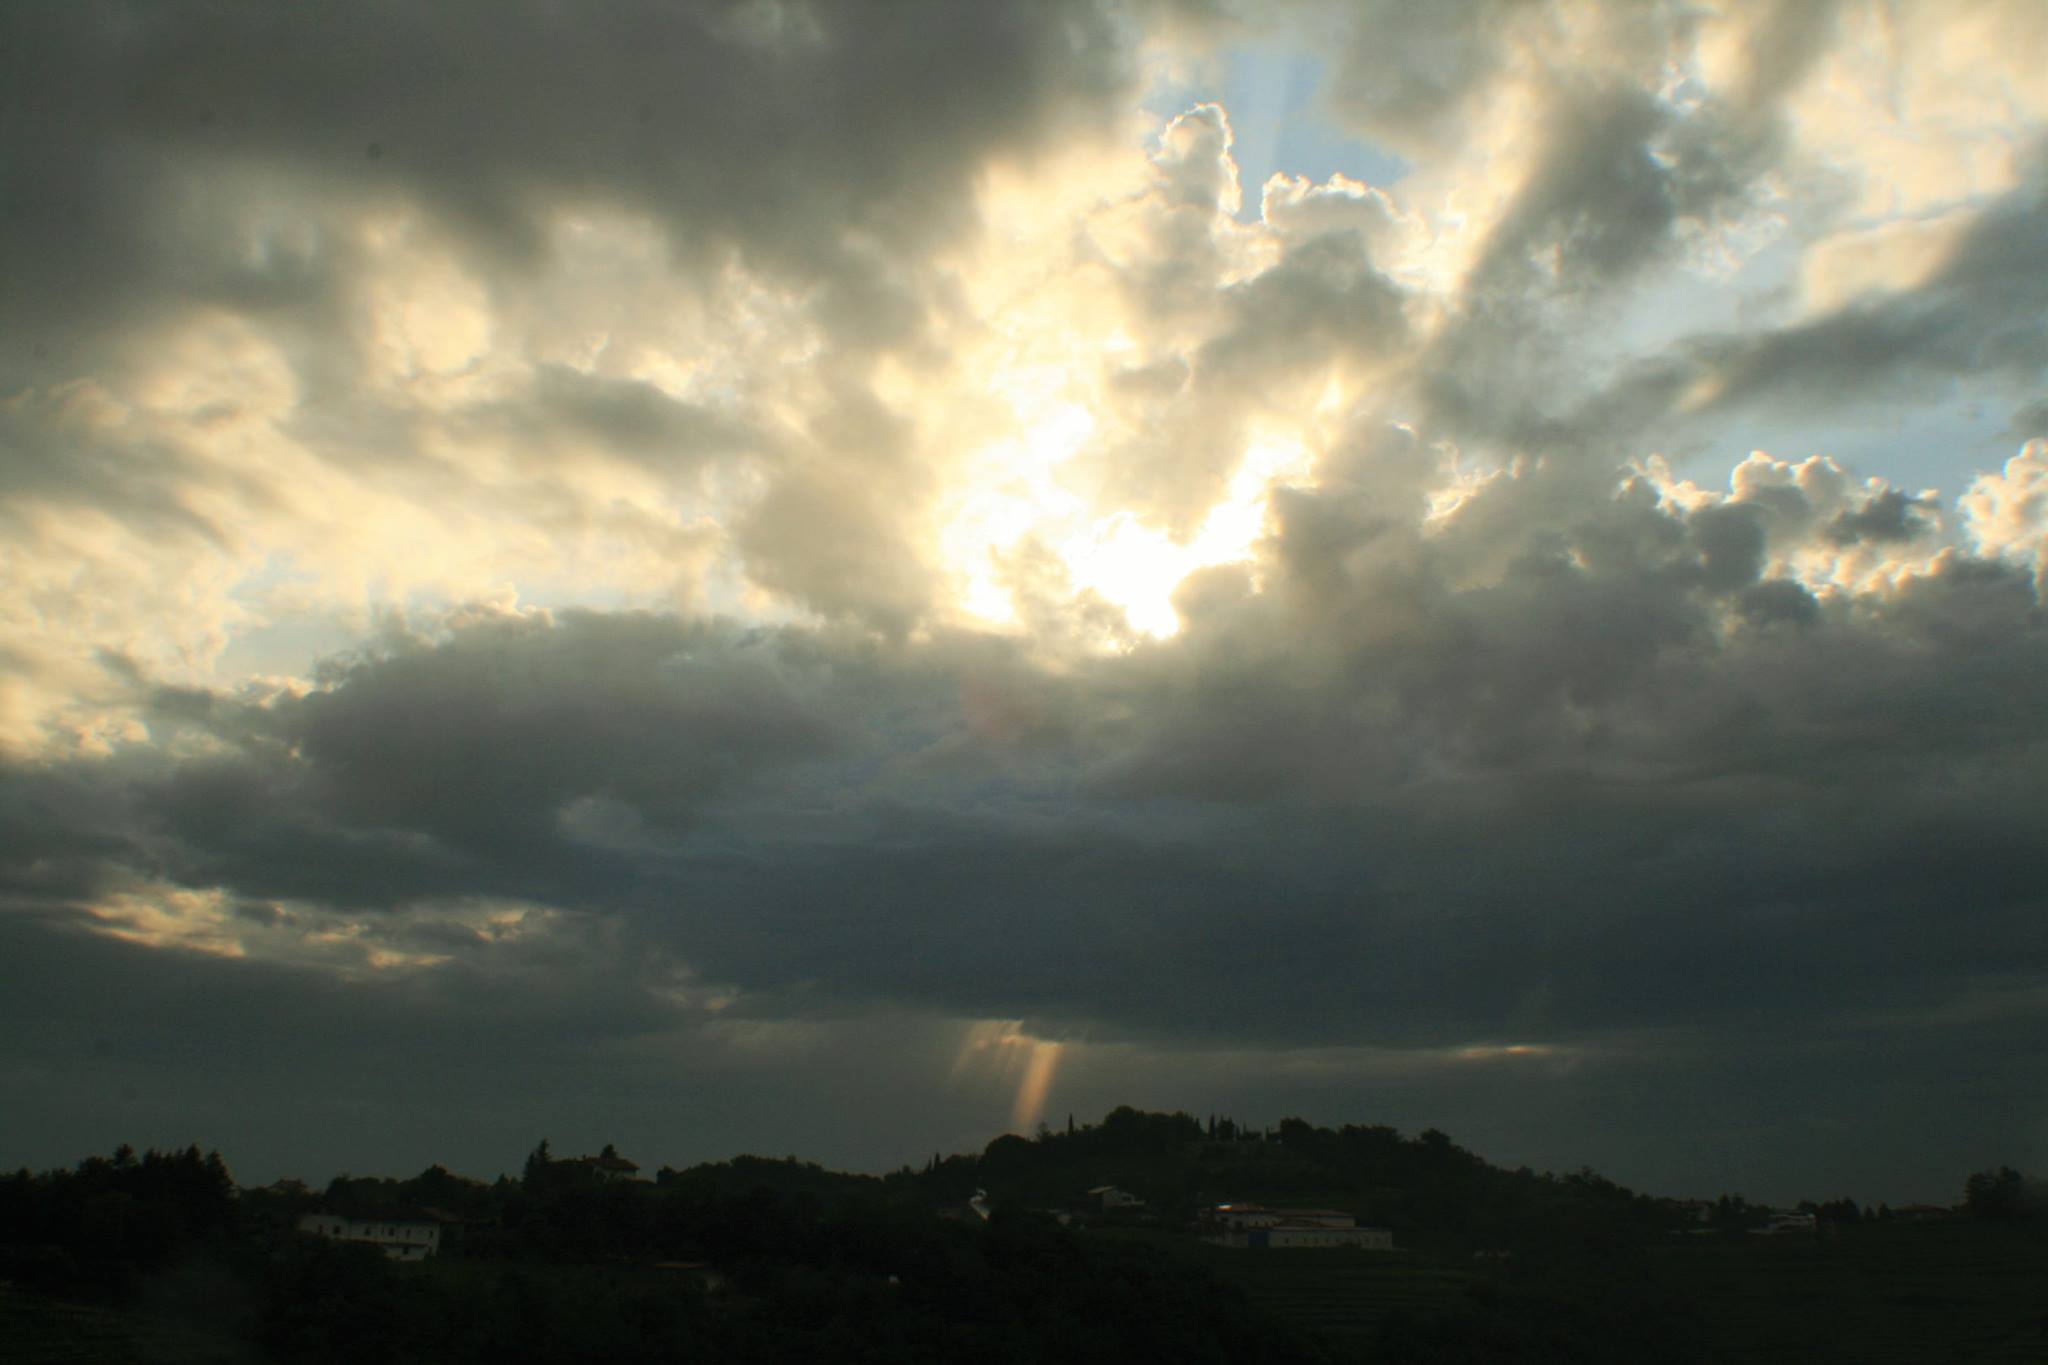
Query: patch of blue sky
286	646
279	642
1940	440
1272	92
1942	444
1917	439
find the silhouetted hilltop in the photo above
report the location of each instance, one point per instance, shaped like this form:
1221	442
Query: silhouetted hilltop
1074	1244
1428	1189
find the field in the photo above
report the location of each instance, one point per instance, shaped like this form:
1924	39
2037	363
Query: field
1341	1292
1881	1294
37	1330
1890	1294
1962	1293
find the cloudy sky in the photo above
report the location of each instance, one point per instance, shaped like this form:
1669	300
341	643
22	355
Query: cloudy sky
839	579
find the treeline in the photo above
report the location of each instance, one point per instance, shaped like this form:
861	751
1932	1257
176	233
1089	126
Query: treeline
750	1260
791	1284
758	1259
111	1218
1433	1193
2005	1195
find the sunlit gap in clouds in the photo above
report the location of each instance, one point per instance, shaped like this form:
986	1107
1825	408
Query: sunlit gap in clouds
1019	499
999	1050
1138	566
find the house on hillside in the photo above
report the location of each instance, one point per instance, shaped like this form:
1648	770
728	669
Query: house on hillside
607	1166
974	1210
1922	1213
1256	1226
1238	1217
408	1238
1110	1199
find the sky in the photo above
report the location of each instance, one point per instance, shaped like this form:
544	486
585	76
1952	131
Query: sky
842	579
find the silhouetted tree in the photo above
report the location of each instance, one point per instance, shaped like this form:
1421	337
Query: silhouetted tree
2002	1193
543	1173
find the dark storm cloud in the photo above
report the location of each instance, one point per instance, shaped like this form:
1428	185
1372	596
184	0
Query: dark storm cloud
64	834
1624	784
1615	794
1571	760
872	117
440	770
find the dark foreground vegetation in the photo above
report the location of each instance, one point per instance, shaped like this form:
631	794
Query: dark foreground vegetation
158	1257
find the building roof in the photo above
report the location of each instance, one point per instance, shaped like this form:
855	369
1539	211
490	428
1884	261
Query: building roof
407	1217
604	1163
1282	1213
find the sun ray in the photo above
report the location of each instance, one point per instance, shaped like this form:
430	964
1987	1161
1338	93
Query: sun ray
999	1050
1037	1082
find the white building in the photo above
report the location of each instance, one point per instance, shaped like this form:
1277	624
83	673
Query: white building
402	1239
606	1167
1255	1225
1242	1216
1317	1235
1259	1216
1114	1198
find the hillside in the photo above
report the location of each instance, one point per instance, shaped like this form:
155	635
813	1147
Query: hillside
752	1259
